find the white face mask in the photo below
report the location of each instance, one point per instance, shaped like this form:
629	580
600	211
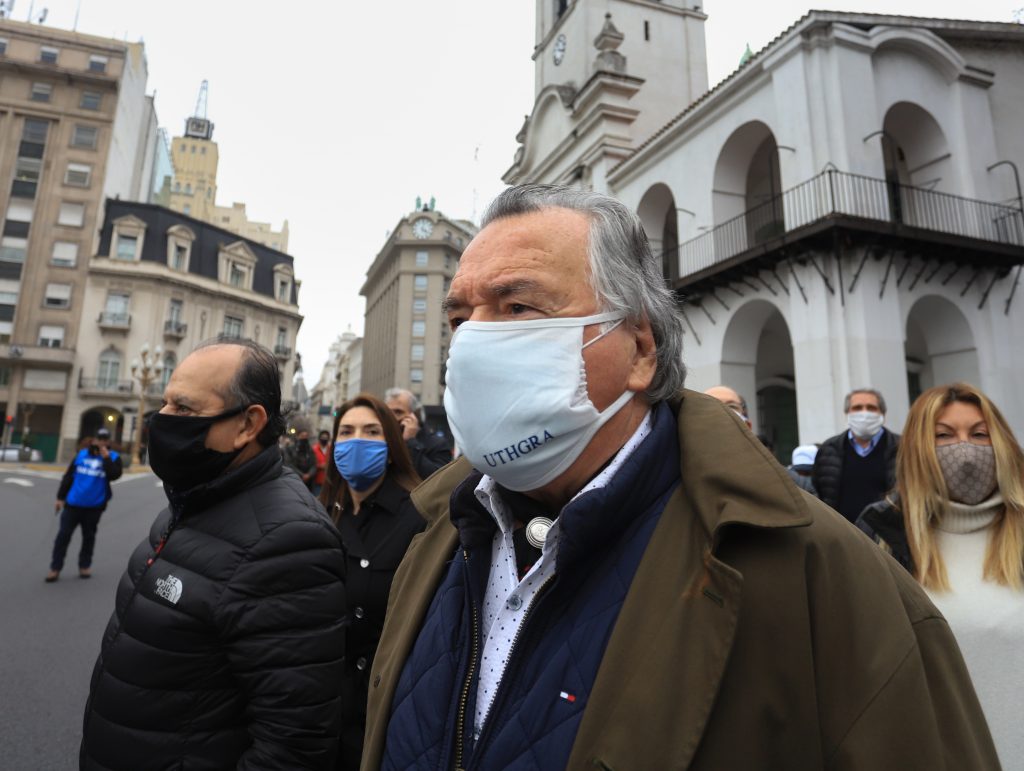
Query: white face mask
517	398
865	425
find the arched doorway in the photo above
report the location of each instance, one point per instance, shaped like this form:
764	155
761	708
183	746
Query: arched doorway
917	160
747	190
102	417
757	361
939	346
657	212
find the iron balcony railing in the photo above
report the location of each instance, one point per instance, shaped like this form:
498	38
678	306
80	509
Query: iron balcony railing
833	193
173	328
115	319
105	385
282	351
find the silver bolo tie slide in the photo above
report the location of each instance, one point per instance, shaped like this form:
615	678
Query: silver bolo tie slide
537	531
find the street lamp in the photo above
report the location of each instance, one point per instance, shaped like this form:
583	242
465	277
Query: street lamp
147	369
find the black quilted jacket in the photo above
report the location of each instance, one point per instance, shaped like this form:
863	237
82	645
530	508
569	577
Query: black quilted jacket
828	466
226	645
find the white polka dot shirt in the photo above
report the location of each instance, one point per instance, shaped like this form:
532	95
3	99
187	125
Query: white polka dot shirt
507	600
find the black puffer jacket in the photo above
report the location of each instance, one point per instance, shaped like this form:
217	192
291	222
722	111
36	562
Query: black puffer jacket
828	466
226	645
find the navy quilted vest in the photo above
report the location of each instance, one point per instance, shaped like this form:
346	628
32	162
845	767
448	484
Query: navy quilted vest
537	709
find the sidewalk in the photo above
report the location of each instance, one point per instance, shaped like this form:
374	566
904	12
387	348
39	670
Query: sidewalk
62	467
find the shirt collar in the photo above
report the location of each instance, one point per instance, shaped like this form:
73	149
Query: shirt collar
872	445
488	492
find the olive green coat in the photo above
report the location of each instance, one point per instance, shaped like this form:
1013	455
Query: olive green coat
761	631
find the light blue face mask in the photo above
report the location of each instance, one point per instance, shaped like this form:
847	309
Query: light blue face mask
361	462
517	399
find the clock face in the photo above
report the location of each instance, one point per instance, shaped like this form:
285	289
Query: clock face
559	51
422	228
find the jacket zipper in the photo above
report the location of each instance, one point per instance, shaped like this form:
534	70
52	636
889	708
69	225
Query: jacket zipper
460	724
502	688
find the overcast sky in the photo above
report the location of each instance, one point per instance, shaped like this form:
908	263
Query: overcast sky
337	115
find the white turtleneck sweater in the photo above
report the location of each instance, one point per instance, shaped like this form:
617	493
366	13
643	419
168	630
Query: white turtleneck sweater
988	622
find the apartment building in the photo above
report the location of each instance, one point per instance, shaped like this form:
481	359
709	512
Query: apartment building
76	128
406	337
163	279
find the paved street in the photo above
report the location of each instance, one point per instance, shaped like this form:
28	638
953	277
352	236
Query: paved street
50	633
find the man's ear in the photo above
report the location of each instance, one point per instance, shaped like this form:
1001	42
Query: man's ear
645	357
255	420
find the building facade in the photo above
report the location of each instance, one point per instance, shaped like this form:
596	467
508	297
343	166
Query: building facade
842	211
76	128
335	379
161	278
195	156
406	335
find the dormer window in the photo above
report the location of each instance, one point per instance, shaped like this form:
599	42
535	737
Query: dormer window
127	238
179	247
283	280
236	265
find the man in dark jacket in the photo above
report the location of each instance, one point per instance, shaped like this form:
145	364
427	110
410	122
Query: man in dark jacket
299	455
857	467
616	574
429	452
226	646
83	494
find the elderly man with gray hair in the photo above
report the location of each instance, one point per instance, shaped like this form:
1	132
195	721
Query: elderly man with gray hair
616	574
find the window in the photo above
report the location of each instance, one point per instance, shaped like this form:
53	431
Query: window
48	55
71	214
174	311
51	336
177	187
41	92
183	148
65	254
26	177
416	375
3	46
419	328
57	296
78	174
115	312
417	352
284	290
9	289
6	327
180	258
84	136
186	209
5	337
126	247
19	211
110	369
232	327
90	100
188	188
236	276
419	306
422	258
97	63
170	362
13	249
420	282
282	337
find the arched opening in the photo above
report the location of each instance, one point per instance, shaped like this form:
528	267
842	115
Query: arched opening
657	212
939	346
94	419
747	191
757	361
916	157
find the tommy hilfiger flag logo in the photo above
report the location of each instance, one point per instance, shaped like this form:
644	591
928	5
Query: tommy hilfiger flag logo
569	697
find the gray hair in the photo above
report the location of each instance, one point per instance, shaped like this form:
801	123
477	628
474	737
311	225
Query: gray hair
403	393
623	272
873	391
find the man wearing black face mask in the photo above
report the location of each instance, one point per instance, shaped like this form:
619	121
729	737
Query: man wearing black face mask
228	623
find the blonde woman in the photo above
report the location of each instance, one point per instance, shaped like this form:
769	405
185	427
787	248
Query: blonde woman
956	522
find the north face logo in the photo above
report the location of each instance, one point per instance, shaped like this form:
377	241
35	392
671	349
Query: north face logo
169	588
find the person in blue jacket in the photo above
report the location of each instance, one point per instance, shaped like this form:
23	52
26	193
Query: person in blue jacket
83	494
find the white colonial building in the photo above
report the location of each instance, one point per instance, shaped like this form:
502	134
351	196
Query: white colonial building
842	211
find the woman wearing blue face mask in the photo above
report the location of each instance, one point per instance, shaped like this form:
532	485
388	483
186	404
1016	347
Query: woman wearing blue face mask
366	491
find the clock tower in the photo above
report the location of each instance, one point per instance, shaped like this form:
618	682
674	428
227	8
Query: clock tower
608	74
